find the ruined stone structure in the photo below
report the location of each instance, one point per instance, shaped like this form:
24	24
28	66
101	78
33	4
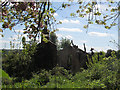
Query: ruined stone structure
72	58
46	56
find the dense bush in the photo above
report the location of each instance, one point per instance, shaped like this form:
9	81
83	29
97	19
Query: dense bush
102	73
61	72
19	63
105	70
41	78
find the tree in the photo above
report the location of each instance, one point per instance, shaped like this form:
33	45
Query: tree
90	9
65	43
37	17
53	38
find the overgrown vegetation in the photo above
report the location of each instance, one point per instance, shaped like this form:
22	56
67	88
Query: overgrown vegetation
18	66
102	73
19	63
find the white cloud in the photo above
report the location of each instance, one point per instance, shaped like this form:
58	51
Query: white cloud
7	42
65	21
55	14
59	35
14	37
99	34
19	31
70	21
83	41
70	29
4	41
69	36
64	36
104	6
75	21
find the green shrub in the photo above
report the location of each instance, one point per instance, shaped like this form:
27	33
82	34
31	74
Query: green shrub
59	78
104	73
42	78
105	70
19	63
61	72
5	78
4	74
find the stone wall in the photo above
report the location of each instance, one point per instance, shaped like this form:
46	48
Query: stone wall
46	56
72	58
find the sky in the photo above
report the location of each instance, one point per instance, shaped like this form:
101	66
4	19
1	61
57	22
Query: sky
96	36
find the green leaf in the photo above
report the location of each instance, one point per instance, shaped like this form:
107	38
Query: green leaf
107	27
81	15
104	23
87	12
25	24
90	22
80	7
53	11
72	14
1	30
23	40
60	22
2	35
111	1
10	27
78	11
113	24
25	32
119	8
85	26
80	2
2	20
94	3
97	21
45	40
113	10
99	14
89	9
63	5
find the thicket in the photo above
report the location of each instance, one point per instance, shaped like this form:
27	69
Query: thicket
19	64
102	73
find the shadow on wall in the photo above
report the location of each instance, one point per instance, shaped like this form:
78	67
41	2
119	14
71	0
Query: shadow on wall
46	56
72	58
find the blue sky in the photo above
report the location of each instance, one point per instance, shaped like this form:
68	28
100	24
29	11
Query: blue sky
97	36
72	28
